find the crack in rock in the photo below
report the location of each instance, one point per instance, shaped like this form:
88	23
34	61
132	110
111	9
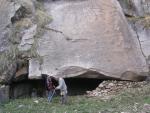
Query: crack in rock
139	41
57	31
66	37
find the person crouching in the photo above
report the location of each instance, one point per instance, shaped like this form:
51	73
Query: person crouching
63	89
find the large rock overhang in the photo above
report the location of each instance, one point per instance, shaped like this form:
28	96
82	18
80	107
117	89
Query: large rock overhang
92	39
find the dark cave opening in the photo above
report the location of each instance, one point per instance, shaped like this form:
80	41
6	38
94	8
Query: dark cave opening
27	88
79	86
36	88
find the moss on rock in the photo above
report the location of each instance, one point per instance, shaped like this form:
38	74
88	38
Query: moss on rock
42	18
145	21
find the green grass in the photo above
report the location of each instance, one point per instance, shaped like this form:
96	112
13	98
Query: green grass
79	104
130	100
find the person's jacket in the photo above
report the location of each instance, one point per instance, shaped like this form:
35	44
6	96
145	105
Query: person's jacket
62	85
50	85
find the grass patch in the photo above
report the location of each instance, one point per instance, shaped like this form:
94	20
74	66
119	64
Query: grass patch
128	101
76	104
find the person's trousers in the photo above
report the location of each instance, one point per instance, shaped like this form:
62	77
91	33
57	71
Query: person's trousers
64	99
50	95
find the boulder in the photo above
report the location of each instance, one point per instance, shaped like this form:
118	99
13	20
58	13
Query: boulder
90	39
4	93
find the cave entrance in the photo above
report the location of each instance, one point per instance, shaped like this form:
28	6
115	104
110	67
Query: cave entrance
79	86
27	88
36	88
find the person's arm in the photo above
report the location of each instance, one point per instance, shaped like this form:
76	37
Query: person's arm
46	83
60	84
53	86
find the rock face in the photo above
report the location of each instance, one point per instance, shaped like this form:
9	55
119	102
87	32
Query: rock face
142	30
138	13
7	11
27	39
12	27
20	26
89	39
4	22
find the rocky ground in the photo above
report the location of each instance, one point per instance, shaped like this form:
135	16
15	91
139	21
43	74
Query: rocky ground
110	89
113	87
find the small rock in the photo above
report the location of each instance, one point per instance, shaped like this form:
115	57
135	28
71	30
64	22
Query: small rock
20	106
101	85
36	101
111	84
124	112
146	107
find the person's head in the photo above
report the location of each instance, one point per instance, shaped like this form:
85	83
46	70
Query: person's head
44	76
54	80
